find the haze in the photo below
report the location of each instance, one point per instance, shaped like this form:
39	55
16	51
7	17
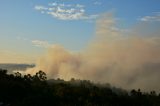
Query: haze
109	41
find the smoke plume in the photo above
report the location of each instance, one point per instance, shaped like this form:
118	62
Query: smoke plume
127	59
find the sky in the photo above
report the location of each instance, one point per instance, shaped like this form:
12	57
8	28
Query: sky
29	27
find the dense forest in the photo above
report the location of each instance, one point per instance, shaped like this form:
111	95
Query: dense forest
36	90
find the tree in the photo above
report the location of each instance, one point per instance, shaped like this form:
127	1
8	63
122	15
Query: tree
40	76
3	73
18	74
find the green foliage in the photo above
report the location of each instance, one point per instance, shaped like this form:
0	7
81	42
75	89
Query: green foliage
36	90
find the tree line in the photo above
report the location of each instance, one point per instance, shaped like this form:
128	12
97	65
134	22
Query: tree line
36	90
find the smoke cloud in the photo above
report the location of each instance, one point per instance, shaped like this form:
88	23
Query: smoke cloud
127	59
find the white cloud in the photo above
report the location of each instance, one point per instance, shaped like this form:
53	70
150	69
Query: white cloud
53	4
40	43
40	8
79	6
22	38
66	11
152	18
97	3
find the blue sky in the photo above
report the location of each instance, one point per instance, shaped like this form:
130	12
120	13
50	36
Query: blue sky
27	27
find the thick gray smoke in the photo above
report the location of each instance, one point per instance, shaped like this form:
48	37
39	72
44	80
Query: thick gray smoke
126	59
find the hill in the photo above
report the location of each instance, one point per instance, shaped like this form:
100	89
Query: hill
36	90
14	67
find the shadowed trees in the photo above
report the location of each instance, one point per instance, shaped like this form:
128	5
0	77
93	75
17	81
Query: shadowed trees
27	90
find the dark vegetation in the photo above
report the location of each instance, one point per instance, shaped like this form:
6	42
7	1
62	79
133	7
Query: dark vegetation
36	90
